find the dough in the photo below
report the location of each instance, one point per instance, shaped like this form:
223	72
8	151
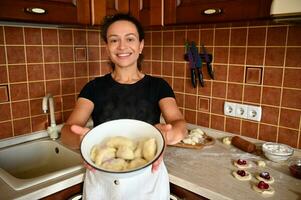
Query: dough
137	162
227	140
139	149
103	154
194	136
118	141
116	164
269	181
242	178
125	153
246	166
261	163
149	149
268	192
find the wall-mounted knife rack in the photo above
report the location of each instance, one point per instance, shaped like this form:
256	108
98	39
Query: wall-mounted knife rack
201	55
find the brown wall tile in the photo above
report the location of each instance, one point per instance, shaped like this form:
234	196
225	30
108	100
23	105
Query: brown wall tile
51	54
168	37
236	74
53	87
294	36
52	71
249	129
50	36
79	37
292	78
4	97
217	106
93	37
33	36
15	54
34	54
2	55
65	37
254	75
221	54
270	115
190	102
252	94
272	76
18	91
5	112
66	54
256	36
80	54
17	73
203	119
1	35
156	53
220	72
271	96
219	89
13	35
3	74
180	38
167	69
36	89
274	56
288	136
293	58
234	92
156	68
233	125
20	109
190	116
35	72
290	118
217	122
6	130
238	37
255	56
276	36
291	98
21	126
221	37
237	55
206	37
267	133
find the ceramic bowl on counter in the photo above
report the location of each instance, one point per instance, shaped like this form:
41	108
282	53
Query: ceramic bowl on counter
277	152
109	147
295	167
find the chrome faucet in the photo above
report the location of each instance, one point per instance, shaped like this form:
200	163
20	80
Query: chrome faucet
52	129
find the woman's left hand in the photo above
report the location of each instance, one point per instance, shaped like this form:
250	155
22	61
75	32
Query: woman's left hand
164	129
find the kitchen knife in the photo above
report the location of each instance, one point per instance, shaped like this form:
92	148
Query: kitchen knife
208	62
191	64
198	63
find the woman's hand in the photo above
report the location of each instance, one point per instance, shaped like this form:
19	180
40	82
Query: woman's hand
82	131
164	129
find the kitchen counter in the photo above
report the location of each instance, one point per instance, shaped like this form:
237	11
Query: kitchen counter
206	172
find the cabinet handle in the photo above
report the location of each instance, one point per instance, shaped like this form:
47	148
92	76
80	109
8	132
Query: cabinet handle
178	3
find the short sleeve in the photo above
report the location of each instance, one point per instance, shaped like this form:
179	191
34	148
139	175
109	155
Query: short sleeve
165	89
88	91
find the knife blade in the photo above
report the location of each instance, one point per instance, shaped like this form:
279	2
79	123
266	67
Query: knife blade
191	64
208	62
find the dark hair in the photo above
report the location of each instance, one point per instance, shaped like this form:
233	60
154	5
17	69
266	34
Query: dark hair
109	20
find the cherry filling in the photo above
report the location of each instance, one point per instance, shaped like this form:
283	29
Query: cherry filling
262	185
265	175
241	172
241	162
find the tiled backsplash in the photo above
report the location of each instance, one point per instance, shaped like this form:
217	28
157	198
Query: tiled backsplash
254	63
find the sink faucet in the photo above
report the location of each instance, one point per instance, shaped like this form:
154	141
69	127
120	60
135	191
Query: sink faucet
52	129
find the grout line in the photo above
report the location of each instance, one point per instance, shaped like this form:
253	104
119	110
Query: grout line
282	83
227	75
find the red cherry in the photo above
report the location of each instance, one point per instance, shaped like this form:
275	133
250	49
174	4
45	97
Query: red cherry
241	172
262	185
241	162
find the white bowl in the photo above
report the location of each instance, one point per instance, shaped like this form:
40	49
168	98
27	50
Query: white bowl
277	152
132	129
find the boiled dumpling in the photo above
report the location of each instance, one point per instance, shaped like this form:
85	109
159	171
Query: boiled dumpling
103	154
125	152
149	149
118	141
117	164
137	162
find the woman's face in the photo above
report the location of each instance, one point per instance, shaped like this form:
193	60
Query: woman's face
123	45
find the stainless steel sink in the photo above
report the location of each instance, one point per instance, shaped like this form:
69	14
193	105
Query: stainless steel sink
31	163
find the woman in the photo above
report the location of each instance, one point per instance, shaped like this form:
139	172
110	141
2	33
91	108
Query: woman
126	93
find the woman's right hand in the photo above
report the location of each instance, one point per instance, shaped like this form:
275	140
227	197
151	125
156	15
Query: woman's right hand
82	131
79	130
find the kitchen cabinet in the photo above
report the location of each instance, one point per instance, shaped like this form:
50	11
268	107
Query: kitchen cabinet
67	193
184	194
149	13
193	11
56	11
82	12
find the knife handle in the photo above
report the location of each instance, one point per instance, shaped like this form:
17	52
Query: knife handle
193	81
210	71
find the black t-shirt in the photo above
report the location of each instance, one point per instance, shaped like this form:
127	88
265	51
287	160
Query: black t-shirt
113	100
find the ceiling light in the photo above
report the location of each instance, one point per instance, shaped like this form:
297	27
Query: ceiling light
212	11
36	10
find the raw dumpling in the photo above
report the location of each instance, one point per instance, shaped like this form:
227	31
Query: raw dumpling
149	149
117	164
103	154
118	141
125	152
139	149
137	162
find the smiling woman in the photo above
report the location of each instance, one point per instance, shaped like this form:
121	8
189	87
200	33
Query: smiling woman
126	93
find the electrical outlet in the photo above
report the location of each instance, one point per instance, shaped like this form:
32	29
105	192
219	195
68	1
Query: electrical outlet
254	113
229	108
241	111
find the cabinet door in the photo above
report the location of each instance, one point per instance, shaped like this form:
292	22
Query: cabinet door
56	11
192	11
149	12
67	193
101	8
184	194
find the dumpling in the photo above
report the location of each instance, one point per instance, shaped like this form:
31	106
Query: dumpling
117	164
149	149
139	149
137	162
125	152
103	154
118	141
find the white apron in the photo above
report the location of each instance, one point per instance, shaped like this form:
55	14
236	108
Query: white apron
146	186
